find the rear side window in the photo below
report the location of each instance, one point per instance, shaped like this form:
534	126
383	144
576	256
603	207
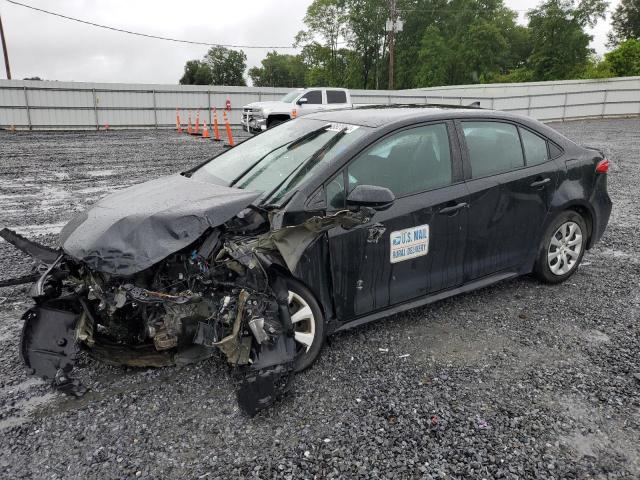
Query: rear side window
535	147
314	97
554	150
336	96
407	162
494	147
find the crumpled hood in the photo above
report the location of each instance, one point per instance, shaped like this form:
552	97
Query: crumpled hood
132	229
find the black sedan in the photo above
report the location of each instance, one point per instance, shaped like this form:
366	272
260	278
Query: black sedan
321	224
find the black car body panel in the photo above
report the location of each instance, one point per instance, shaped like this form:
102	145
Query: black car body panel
364	291
170	270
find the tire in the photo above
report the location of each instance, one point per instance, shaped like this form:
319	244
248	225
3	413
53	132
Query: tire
309	328
563	245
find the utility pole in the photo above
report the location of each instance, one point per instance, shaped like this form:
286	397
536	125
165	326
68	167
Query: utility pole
6	53
392	40
393	25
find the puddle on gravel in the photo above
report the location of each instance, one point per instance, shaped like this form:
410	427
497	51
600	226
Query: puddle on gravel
26	408
22	386
596	337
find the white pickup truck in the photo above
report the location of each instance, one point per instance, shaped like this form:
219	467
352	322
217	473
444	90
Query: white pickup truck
259	116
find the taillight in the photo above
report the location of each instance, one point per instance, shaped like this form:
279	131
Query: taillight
603	166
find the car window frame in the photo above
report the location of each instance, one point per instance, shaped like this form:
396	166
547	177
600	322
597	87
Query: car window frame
464	148
457	173
547	142
560	149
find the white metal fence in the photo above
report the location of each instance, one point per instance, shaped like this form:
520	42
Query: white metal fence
72	105
547	101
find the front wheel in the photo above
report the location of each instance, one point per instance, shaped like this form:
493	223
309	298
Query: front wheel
564	244
308	324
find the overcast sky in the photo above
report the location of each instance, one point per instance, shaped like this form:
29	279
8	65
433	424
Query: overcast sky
57	49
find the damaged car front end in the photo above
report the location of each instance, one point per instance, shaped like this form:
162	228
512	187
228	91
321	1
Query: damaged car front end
181	268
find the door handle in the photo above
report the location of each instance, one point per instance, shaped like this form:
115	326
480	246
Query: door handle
453	209
540	183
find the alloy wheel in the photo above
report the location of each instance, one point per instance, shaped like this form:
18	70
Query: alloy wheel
564	248
303	321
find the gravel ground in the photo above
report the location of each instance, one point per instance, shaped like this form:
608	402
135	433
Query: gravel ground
518	380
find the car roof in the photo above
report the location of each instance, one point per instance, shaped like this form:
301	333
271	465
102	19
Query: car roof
378	116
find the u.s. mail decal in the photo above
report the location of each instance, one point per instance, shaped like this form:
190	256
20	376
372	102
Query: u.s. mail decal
409	243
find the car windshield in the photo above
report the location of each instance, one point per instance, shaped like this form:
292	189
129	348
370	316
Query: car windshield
277	160
291	96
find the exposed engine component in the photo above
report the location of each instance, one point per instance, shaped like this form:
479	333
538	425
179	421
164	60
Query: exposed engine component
223	292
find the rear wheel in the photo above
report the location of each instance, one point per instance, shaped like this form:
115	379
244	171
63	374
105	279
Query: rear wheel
308	324
564	244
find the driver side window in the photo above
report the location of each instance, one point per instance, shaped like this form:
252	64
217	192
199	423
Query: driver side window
410	161
314	97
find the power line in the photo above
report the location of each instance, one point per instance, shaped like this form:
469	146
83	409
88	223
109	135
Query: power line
146	35
5	51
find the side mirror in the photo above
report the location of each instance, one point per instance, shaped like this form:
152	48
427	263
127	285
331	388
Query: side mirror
302	100
372	196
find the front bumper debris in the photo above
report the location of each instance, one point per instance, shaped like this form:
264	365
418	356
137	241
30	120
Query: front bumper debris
48	345
176	302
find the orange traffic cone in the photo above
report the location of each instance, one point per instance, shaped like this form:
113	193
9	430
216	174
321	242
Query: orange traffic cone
196	130
294	113
178	125
216	131
205	129
228	127
189	130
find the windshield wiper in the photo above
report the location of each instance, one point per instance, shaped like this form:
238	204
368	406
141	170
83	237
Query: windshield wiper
311	161
307	137
298	141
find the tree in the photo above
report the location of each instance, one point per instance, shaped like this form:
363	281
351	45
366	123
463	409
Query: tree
465	41
279	70
434	68
560	44
196	73
625	22
597	68
326	20
365	35
220	66
625	59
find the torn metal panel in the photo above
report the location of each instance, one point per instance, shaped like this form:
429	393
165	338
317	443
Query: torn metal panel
232	346
292	241
133	229
40	252
375	233
10	282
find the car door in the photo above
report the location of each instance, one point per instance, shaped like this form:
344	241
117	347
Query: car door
313	103
414	247
509	195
